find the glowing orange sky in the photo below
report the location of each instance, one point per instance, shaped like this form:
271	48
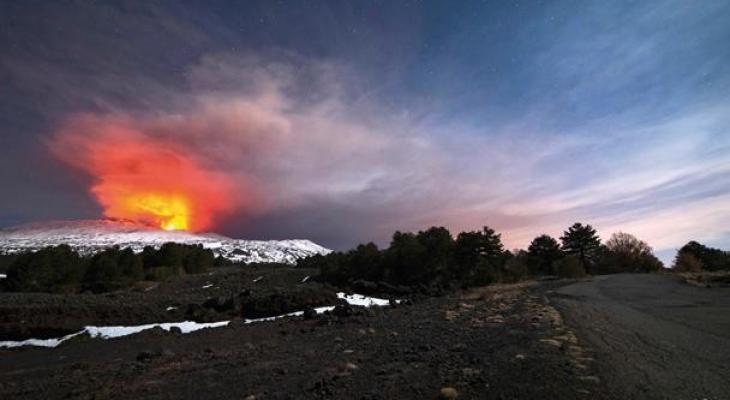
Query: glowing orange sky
144	179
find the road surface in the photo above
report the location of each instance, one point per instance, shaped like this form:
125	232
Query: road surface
652	336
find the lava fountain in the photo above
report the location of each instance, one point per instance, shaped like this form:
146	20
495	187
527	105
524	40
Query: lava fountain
150	180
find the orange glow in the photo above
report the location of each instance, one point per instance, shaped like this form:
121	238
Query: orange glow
149	180
171	212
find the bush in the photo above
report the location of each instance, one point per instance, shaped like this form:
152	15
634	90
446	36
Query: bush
55	269
710	258
687	262
484	274
569	267
6	260
197	260
516	269
160	274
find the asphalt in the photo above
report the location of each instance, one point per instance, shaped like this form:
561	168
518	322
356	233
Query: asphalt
652	336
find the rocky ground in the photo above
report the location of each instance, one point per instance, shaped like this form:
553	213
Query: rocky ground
500	342
41	315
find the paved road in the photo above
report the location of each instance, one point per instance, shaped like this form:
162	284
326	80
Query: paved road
652	336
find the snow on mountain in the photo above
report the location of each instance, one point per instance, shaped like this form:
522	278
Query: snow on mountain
89	236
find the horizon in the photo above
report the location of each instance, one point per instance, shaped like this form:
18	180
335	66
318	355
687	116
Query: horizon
667	257
346	124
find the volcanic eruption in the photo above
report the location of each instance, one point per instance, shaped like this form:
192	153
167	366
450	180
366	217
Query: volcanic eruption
150	180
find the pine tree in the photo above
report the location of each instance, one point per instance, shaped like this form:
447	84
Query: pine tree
543	252
583	242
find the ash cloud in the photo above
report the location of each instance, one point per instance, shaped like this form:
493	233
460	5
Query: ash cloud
343	130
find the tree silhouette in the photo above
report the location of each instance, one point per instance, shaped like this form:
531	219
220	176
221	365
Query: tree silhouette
543	252
626	253
710	258
583	242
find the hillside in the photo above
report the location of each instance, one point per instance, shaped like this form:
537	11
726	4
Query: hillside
90	236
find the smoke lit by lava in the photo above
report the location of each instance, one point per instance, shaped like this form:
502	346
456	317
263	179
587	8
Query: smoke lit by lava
142	178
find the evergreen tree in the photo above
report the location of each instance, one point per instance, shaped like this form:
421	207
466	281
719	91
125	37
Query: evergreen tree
366	262
468	250
404	258
493	248
439	246
583	242
542	253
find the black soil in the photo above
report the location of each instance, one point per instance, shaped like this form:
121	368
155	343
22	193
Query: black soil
486	343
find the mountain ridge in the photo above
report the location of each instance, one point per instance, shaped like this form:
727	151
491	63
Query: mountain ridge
90	236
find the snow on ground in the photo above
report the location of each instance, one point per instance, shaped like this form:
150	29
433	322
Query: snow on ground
91	236
111	332
360	300
3	276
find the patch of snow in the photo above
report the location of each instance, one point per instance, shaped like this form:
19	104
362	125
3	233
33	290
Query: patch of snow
3	276
110	332
258	279
306	278
207	286
319	310
171	308
364	301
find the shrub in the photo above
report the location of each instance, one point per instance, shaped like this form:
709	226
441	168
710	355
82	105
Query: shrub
569	267
131	265
711	259
160	274
197	259
485	273
516	269
686	262
104	273
51	269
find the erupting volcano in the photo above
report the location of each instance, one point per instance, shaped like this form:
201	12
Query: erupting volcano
149	180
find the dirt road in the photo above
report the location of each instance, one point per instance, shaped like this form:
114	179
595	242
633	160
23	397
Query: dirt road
652	336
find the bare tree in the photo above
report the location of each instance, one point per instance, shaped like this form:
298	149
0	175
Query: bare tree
626	253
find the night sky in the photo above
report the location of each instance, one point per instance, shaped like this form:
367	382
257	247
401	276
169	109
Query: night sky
342	122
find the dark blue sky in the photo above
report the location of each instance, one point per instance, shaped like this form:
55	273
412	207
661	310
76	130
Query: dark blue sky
379	116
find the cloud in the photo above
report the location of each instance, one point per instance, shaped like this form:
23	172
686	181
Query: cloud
314	159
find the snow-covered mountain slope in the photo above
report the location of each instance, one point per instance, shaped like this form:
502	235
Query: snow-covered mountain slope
89	236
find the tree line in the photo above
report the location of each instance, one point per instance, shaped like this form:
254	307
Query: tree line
60	269
435	257
694	257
